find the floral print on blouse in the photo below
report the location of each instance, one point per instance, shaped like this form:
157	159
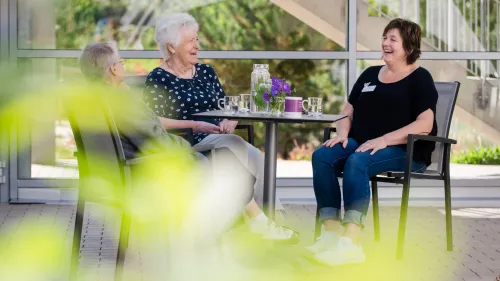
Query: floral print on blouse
178	98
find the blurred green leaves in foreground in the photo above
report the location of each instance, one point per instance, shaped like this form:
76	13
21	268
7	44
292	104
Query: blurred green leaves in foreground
182	212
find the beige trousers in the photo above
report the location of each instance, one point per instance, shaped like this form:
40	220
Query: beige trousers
250	156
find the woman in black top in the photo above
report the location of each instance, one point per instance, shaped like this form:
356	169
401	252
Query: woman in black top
385	105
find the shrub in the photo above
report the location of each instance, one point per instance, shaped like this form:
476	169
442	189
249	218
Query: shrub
479	155
301	152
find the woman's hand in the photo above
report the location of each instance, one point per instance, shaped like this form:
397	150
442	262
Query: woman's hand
340	138
227	126
374	144
205	127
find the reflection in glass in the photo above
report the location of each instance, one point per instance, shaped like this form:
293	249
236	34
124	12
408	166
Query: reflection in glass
224	24
453	26
310	78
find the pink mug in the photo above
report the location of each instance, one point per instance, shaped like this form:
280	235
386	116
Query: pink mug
293	106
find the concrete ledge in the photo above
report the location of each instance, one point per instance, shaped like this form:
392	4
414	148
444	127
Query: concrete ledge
467	182
462	197
465	193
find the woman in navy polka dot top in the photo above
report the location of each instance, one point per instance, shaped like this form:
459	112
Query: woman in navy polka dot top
181	87
178	98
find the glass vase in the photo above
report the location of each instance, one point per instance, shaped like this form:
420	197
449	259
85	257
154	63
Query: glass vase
260	83
277	105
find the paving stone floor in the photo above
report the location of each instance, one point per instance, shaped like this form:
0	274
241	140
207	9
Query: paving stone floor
476	254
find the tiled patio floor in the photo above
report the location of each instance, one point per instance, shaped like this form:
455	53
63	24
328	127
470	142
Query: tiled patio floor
476	255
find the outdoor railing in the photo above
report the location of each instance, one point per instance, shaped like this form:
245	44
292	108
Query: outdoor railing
450	25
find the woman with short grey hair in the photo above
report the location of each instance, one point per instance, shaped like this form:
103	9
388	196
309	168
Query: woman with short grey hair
181	87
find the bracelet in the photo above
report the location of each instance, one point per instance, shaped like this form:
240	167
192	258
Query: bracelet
193	124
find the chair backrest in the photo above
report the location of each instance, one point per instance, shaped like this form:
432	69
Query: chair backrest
448	92
99	151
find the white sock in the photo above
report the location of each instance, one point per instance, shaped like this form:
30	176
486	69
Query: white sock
260	218
258	224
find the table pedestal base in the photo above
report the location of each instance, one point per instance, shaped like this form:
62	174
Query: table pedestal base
269	199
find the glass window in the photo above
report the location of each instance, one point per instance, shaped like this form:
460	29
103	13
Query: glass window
224	25
453	26
310	78
52	143
476	119
46	142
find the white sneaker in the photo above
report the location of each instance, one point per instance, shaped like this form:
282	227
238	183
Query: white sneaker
345	252
327	240
269	230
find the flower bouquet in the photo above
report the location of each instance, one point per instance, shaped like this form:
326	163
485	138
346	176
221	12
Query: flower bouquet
276	97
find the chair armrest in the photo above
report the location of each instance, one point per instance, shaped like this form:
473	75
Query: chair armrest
413	137
328	131
411	144
158	156
249	129
186	133
243	126
144	159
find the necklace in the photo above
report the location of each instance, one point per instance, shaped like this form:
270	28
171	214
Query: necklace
177	73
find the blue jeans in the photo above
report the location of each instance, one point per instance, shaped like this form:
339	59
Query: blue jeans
358	167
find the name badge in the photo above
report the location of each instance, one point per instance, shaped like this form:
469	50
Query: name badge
368	88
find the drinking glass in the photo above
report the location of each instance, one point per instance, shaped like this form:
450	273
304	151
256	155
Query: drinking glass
314	106
230	104
244	102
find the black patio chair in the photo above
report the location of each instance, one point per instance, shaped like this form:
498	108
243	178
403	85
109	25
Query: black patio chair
102	166
448	92
137	82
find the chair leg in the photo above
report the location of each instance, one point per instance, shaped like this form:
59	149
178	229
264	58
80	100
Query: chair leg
122	245
376	217
250	135
447	201
317	226
402	218
77	238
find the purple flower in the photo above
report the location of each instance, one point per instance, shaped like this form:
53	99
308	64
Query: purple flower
266	97
280	85
275	88
286	88
274	82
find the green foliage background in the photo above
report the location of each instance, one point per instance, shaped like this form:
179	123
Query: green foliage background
480	155
229	25
226	25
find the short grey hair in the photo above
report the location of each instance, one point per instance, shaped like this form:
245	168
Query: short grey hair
96	60
168	30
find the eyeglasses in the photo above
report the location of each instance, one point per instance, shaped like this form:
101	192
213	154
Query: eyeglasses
122	61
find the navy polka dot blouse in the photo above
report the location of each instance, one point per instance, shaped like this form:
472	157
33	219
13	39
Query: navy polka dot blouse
179	98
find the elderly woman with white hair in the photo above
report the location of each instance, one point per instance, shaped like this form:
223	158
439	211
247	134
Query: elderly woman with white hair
181	87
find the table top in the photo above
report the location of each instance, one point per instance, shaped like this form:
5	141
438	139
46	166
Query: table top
325	118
